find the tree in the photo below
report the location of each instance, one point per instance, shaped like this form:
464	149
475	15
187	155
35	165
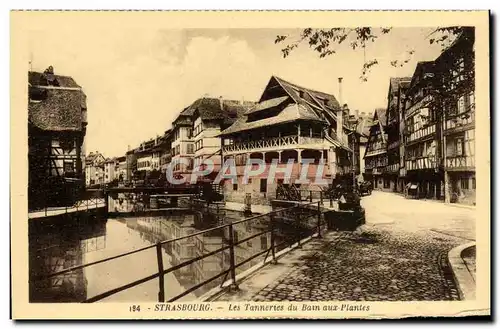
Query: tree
326	42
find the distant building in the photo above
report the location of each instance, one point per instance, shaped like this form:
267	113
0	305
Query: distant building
182	145
395	129
376	153
94	168
210	117
109	170
57	120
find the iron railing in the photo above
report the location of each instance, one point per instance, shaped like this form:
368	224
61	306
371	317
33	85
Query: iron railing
300	216
88	200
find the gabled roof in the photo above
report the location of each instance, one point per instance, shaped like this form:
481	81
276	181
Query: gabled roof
55	102
399	81
380	115
290	113
421	69
224	110
269	103
307	104
94	158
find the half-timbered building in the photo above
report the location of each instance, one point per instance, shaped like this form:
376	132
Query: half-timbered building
394	130
376	152
57	120
289	122
455	68
422	133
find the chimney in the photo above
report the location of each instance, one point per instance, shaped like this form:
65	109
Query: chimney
340	116
357	113
221	102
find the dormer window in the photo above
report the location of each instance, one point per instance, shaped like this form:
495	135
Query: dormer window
301	93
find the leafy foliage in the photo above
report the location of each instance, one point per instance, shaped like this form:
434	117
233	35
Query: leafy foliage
327	41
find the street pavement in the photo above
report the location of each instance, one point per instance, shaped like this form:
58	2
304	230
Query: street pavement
400	254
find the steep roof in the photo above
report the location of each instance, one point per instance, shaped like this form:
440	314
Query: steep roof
55	102
307	104
290	113
381	116
225	110
399	81
91	158
294	91
421	69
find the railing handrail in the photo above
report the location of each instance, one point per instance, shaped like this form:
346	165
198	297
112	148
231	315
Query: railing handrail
74	268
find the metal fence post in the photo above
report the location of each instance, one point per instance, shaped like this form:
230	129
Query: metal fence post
331	201
161	278
321	197
319	220
297	229
310	196
273	237
232	267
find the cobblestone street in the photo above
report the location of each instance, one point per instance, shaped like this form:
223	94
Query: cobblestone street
391	258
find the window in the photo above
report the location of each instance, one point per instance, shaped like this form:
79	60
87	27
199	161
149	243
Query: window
189	132
461	104
464	183
263	242
459	146
68	166
263	185
386	183
178	149
235	187
473	179
189	149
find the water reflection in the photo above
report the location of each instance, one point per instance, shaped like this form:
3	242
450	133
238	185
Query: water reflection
81	240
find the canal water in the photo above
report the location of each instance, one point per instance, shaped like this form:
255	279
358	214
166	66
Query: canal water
79	239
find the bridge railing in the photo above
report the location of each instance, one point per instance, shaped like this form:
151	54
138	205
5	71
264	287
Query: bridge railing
269	234
86	200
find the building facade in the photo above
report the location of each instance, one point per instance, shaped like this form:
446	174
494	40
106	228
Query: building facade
394	130
455	69
210	117
376	152
289	123
57	120
94	168
183	145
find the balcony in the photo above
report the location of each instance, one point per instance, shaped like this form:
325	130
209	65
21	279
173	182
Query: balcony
460	163
461	122
390	169
422	133
376	152
424	102
271	143
420	164
393	145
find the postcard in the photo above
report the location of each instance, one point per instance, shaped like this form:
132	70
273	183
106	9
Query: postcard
250	164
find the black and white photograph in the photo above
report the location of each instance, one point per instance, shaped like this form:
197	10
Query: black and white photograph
288	170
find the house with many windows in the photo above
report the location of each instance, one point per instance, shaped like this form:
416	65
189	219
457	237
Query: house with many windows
210	117
455	71
183	145
376	153
394	128
289	122
422	136
94	168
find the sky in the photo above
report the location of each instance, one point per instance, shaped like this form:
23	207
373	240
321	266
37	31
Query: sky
138	80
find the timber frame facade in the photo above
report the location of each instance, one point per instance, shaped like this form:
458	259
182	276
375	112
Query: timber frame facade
57	120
